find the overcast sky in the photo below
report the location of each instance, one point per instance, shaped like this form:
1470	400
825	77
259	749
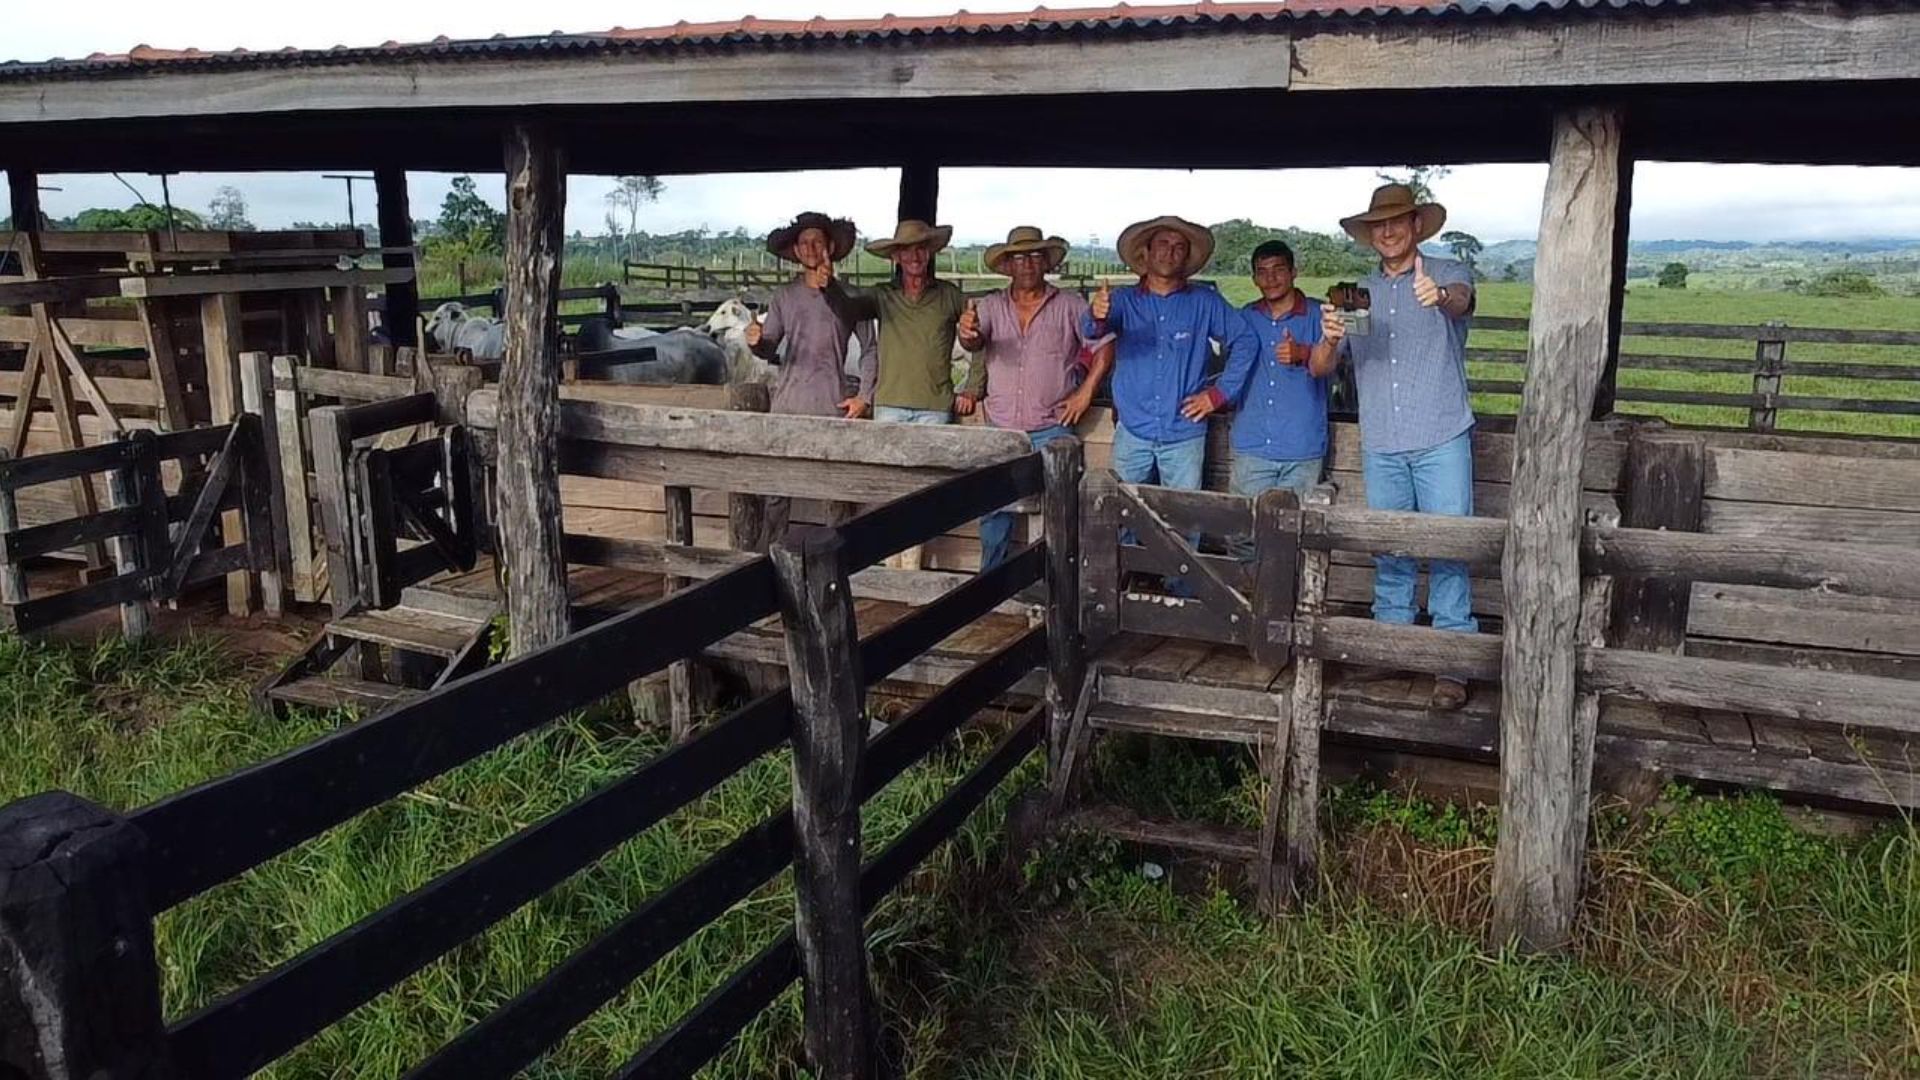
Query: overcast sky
1495	202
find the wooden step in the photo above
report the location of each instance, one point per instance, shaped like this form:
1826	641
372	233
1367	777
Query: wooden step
1212	727
340	692
411	629
453	604
1201	838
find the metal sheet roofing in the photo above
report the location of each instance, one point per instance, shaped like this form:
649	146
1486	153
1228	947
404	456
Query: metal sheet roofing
750	31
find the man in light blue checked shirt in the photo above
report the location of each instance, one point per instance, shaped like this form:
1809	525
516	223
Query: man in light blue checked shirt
1416	426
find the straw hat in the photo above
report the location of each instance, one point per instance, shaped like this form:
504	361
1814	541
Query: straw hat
1391	201
910	232
1135	238
1024	238
840	235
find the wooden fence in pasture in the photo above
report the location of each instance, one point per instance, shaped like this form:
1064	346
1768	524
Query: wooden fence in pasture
83	883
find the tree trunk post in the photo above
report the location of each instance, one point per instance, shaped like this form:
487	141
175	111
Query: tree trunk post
1769	363
396	231
679	506
1541	853
1298	865
23	199
747	514
79	985
529	473
1604	396
829	744
1062	462
123	490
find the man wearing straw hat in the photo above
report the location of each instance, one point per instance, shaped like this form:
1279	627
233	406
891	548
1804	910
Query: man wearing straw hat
1030	343
917	314
811	381
1416	425
1161	394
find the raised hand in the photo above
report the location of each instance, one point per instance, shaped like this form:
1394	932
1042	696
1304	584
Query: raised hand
969	325
1332	326
755	331
818	276
1102	302
1424	290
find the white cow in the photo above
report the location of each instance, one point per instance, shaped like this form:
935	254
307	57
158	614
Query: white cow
451	328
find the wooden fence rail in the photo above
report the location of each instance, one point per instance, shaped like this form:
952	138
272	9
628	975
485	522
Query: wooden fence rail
73	1008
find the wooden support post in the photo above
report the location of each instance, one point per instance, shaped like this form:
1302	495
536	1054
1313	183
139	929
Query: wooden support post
304	564
1596	597
1276	547
679	507
163	363
267	472
1666	489
220	332
1063	461
920	190
396	230
1540	858
747	514
313	328
13	576
1603	395
23	199
79	986
1299	865
332	449
528	523
829	740
1769	363
1099	558
350	328
123	490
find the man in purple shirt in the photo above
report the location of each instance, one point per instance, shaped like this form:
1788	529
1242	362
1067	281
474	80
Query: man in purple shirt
1030	340
1416	424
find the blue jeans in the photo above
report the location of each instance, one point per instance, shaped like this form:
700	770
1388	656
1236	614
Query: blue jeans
894	414
1170	464
1254	476
1437	480
996	529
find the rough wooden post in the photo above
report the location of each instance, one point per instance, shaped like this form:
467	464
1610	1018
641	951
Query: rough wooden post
1062	461
1539	859
350	328
1666	489
1299	865
79	987
1604	395
256	394
679	507
123	490
290	424
13	576
747	514
919	190
23	198
396	231
1596	597
529	526
220	331
829	742
1099	557
1769	363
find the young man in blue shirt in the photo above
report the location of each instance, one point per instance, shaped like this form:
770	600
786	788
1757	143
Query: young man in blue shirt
1280	425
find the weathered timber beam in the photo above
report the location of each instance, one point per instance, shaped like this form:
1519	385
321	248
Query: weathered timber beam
396	246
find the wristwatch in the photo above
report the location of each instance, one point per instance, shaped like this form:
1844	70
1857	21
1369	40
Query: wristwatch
1444	296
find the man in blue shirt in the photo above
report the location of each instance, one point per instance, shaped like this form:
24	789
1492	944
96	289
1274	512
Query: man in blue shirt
1416	426
1164	326
1280	426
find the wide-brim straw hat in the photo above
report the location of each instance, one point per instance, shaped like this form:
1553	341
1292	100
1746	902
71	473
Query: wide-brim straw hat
1135	238
910	232
1391	201
841	235
1024	238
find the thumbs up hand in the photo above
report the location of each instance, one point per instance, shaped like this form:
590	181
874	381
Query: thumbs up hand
1102	303
969	326
1424	290
1288	351
818	276
754	331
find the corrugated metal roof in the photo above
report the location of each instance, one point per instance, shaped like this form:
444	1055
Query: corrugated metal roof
750	31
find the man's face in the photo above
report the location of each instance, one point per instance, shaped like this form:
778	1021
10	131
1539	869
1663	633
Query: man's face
1167	253
1274	276
1027	268
810	248
1393	238
913	258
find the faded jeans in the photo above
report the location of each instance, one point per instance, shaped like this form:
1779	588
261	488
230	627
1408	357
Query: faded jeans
1254	476
894	414
1437	480
996	529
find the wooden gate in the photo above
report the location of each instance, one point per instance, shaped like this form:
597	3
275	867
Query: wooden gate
414	506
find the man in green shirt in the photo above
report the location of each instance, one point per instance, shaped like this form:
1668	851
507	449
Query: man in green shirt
917	315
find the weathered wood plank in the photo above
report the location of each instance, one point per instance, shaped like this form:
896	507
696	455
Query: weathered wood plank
747	514
1063	463
1808	617
1297	866
1817	524
1799	479
1667	475
1809	696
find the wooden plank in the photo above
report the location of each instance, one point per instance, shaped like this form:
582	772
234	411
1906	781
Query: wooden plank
1788	774
1174	617
1806	617
747	514
1667	475
13	577
62	290
1348	640
1887	665
340	692
1883	570
1809	696
19	545
163	363
1297	865
679	674
1159	694
1802	480
1209	513
1541	855
829	739
408	628
747	474
221	336
1817	524
350	347
1214	841
1063	463
151	286
305	562
1477	541
352	385
116	391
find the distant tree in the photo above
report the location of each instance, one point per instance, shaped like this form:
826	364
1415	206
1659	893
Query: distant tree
228	210
630	193
1233	244
1511	273
142	218
1673	276
1844	283
1465	246
1794	284
1420	178
469	221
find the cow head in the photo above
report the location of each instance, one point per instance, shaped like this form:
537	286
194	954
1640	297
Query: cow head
441	324
732	315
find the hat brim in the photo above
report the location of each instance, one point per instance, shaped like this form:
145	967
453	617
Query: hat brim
841	236
935	238
1132	245
1055	246
1428	220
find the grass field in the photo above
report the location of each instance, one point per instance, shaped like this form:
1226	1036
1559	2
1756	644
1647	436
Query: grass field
1720	941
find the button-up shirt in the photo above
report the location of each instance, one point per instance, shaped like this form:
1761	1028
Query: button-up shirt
1283	415
916	338
1162	355
1411	371
811	379
1028	372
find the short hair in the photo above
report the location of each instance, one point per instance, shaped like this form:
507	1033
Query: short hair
1272	249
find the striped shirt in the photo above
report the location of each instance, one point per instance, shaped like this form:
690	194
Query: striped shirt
1411	370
